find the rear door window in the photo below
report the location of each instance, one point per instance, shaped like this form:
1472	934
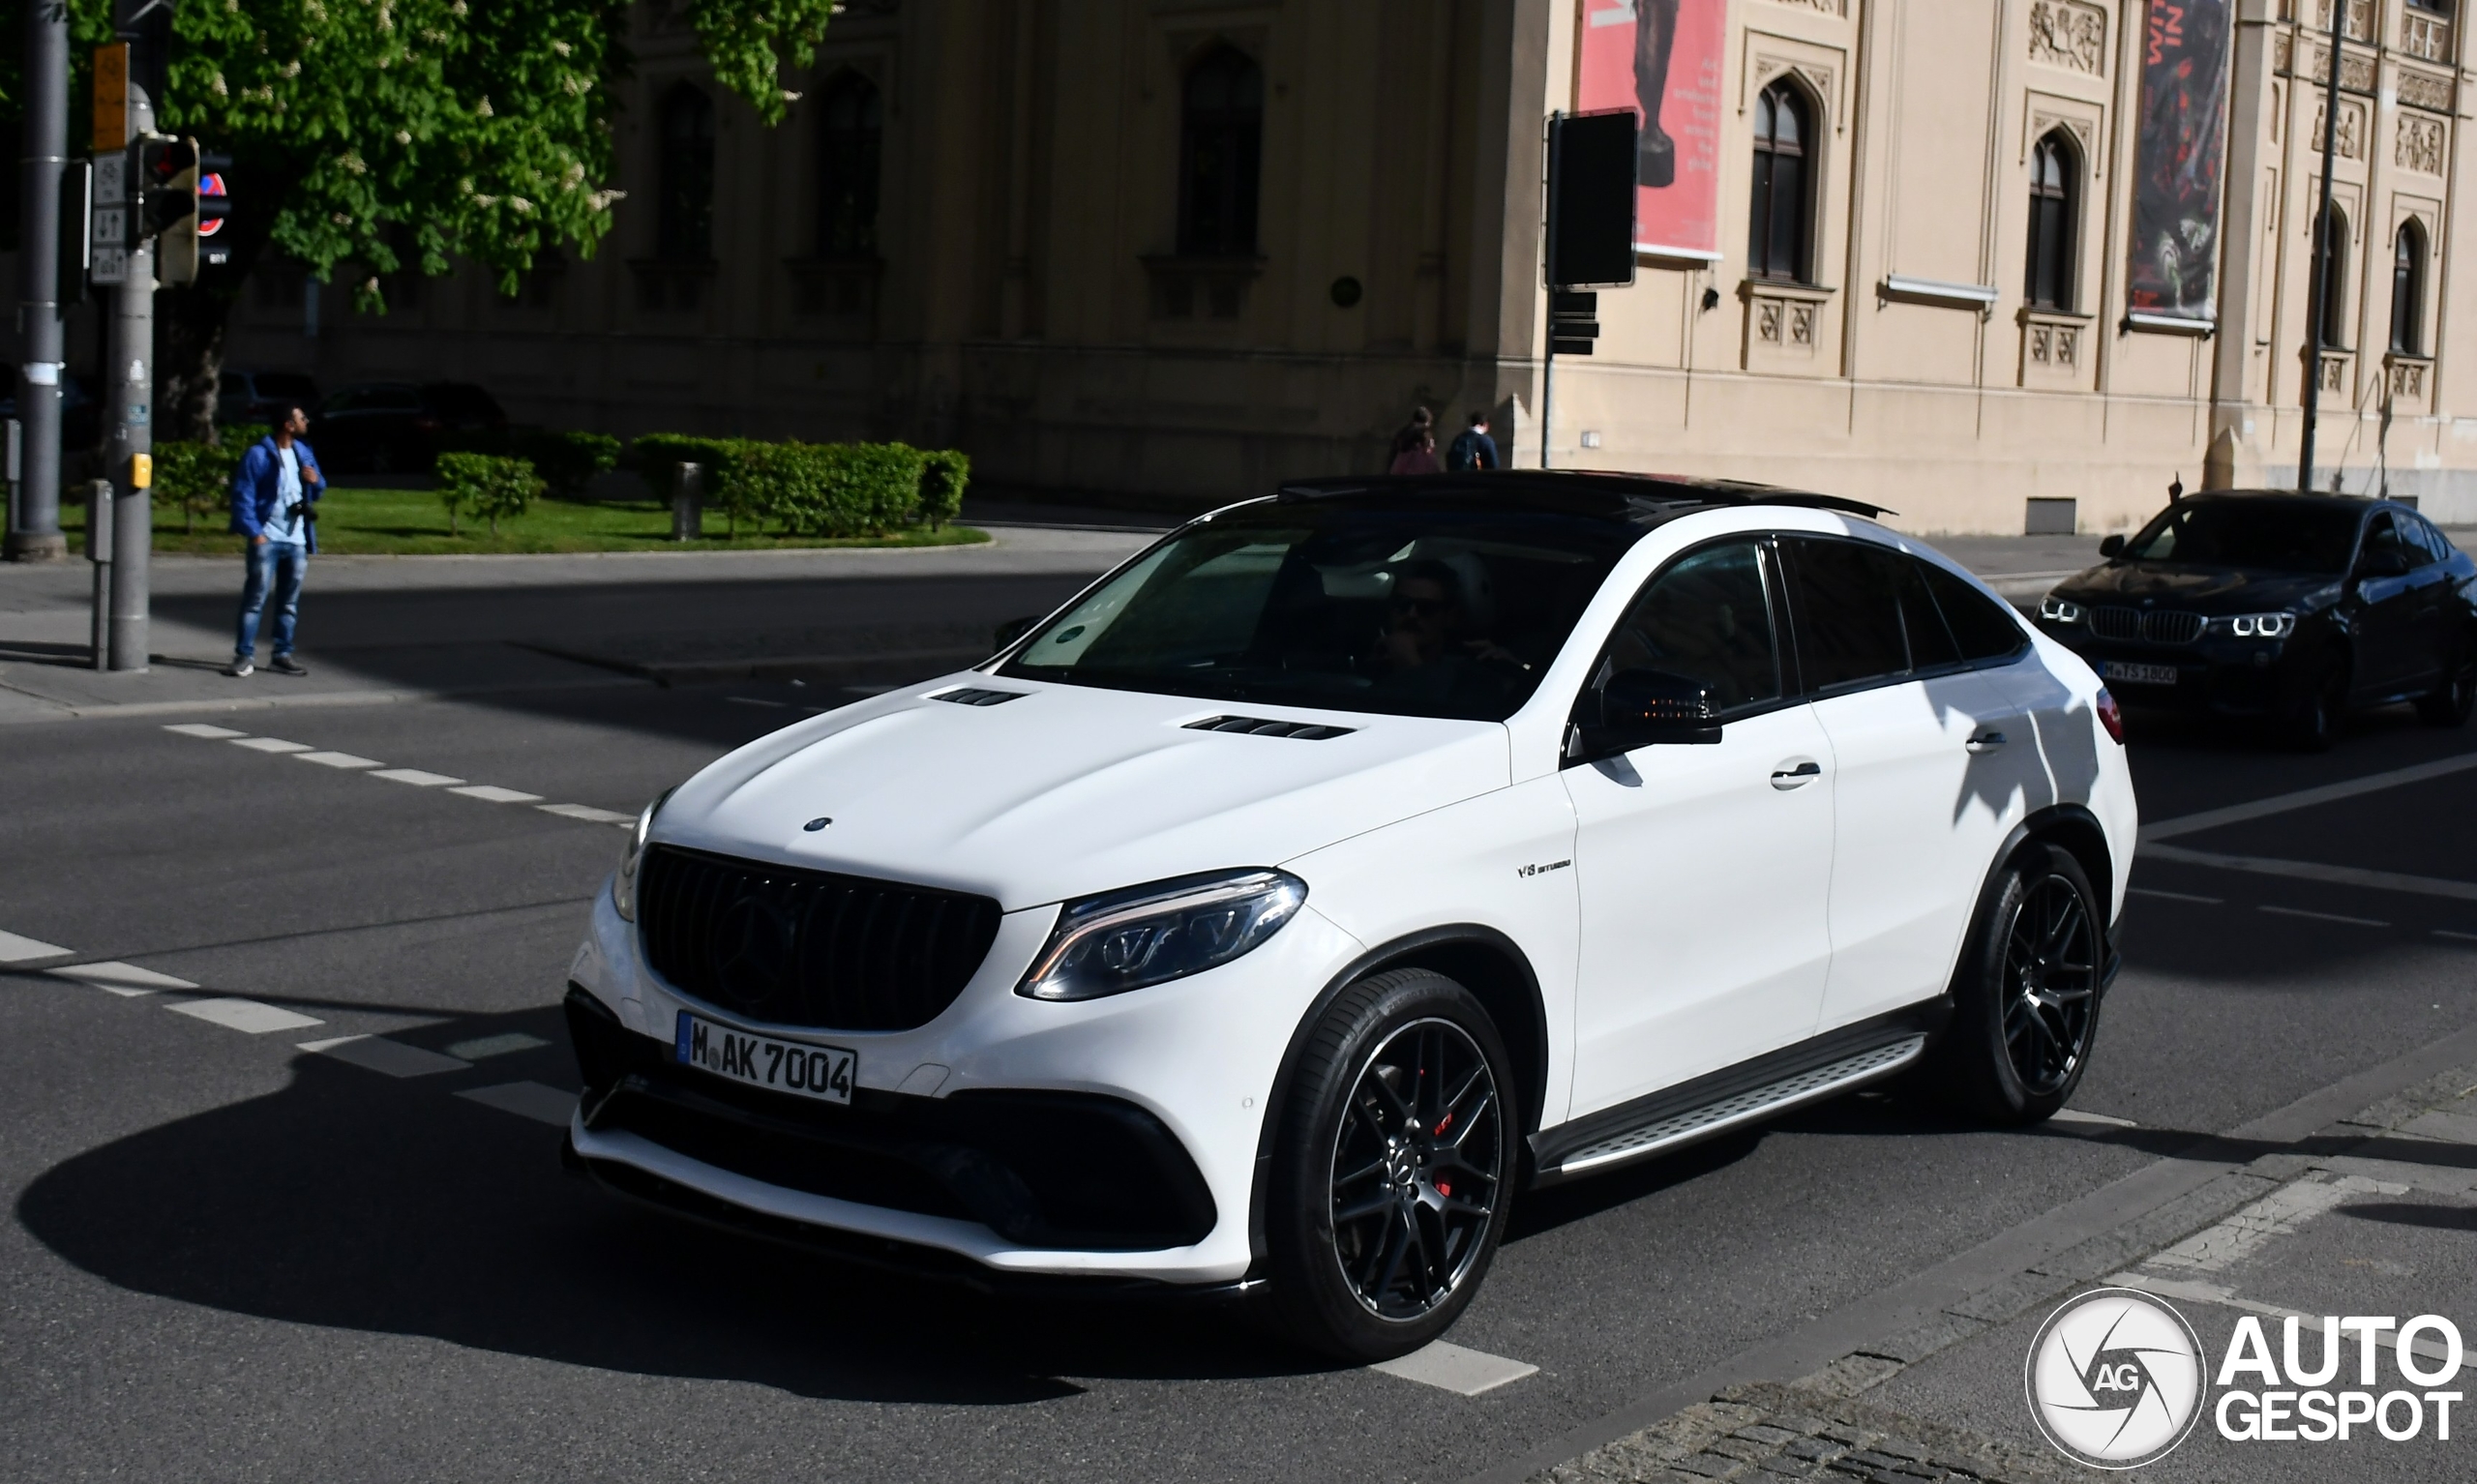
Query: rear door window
1848	605
1979	624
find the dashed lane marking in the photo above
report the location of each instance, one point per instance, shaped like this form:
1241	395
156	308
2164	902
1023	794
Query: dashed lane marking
2103	1121
246	1016
588	812
17	950
2173	896
527	1100
2298	911
415	777
202	729
1454	1368
2305	798
377	1054
271	744
126	980
2465	937
2315	871
493	793
751	700
505	1045
337	760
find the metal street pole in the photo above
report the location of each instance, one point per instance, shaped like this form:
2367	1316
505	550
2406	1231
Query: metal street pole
34	530
129	418
1548	366
2322	251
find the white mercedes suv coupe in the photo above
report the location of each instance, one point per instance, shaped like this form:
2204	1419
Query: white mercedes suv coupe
1274	911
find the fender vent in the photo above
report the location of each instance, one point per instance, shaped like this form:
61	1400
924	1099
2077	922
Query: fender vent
966	696
1260	727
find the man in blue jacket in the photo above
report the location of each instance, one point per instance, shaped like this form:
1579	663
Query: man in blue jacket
273	493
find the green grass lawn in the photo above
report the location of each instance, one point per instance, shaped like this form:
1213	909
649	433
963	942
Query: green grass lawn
411	522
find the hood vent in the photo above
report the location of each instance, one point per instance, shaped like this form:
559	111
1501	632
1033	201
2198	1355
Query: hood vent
966	696
1260	727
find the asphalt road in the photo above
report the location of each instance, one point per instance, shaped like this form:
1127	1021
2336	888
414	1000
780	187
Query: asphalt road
229	1257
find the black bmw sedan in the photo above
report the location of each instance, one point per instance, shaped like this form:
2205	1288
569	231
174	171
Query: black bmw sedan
2290	608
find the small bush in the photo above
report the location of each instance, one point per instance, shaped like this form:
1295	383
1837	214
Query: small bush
566	460
194	479
943	474
486	486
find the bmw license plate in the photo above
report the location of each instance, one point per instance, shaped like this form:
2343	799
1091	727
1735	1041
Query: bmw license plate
2136	674
795	1068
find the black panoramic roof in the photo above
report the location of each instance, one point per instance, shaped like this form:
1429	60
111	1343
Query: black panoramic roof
1646	499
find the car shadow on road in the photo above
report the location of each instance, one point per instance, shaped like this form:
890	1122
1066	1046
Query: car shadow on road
355	1201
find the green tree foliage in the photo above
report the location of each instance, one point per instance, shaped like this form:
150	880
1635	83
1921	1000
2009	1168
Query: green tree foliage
486	486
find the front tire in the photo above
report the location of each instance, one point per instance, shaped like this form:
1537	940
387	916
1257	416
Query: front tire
2448	704
2026	993
2311	721
1394	1167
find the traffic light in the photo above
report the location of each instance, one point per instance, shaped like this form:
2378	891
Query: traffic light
179	206
214	204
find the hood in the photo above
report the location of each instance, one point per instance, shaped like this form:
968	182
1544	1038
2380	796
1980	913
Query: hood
1069	790
2198	589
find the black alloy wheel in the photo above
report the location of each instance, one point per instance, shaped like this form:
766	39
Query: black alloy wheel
1393	1162
2026	993
2448	704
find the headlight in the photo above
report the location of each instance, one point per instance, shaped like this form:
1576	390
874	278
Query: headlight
1145	934
623	882
2255	626
2059	611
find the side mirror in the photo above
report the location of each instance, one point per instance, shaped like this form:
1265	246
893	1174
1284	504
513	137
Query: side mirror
2384	564
1643	708
2113	547
1012	630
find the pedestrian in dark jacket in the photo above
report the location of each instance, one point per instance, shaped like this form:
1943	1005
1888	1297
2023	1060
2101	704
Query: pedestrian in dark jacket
274	496
1472	448
1415	446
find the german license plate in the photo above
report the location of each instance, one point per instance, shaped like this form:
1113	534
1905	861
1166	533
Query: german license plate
795	1068
2136	674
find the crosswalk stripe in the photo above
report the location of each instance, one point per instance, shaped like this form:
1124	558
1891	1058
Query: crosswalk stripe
126	980
1455	1368
246	1016
527	1100
17	950
271	744
202	729
416	776
336	759
377	1054
492	794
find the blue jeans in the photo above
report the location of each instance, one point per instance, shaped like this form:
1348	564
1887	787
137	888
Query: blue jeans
276	567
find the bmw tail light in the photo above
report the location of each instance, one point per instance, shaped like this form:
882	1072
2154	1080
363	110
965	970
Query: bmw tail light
2110	715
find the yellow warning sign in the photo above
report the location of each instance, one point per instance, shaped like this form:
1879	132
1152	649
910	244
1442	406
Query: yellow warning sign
111	96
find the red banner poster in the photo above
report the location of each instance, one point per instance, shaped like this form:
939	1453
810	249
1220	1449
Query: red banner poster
1661	58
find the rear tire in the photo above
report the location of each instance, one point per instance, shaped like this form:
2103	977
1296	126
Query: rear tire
2026	993
1393	1168
2448	704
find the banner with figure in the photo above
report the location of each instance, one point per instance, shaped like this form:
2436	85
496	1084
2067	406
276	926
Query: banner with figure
2179	158
1661	58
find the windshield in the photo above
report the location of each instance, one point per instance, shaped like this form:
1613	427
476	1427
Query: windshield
2270	535
1409	609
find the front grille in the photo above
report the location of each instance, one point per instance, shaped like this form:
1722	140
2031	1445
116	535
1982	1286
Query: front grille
2164	626
795	947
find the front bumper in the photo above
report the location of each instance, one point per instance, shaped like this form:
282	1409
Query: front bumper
1111	1140
2216	676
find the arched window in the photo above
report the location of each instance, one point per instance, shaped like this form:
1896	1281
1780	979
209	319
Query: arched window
1221	129
2408	290
1778	234
2335	279
2054	179
849	132
684	225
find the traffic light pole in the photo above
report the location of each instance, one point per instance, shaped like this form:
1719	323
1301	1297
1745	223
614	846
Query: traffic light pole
34	521
128	425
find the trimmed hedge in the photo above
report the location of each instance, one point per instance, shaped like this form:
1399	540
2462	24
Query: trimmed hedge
486	485
566	462
812	488
943	474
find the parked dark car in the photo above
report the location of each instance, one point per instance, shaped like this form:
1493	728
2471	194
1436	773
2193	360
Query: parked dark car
81	415
2292	608
263	395
384	426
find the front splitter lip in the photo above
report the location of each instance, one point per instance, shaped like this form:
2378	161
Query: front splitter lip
1176	1265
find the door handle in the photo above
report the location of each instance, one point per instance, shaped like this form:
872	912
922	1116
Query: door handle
1984	742
1787	777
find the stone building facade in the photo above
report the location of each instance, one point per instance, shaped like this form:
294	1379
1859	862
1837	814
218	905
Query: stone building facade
1193	247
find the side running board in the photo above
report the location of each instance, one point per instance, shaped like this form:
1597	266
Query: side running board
1701	1122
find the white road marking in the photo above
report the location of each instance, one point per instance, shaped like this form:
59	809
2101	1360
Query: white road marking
495	1045
588	813
2278	1214
377	1054
492	794
2315	871
271	744
2298	911
2449	1127
2226	1297
2172	896
2076	1115
246	1016
1453	1367
751	700
337	760
416	776
202	729
527	1100
126	980
17	950
2305	798
2465	937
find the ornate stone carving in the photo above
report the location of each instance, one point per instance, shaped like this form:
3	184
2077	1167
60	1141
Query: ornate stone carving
1784	324
2077	127
2360	20
1817	77
2418	145
2351	140
2356	73
2070	34
2425	90
2408	378
2056	348
2282	52
2335	372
